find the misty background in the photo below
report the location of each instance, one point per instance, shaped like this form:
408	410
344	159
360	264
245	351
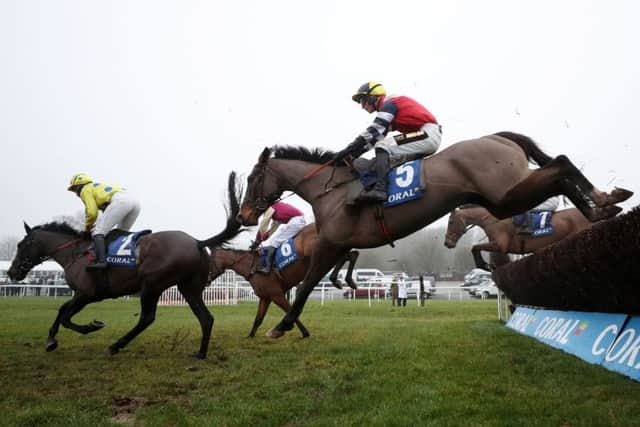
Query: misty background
166	98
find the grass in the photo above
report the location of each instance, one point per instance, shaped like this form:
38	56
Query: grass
450	363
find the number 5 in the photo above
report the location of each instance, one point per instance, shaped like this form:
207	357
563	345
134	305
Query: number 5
407	179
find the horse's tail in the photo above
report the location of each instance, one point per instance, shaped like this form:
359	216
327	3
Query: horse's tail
528	145
233	227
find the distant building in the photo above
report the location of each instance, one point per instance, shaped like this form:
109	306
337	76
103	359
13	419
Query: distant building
47	273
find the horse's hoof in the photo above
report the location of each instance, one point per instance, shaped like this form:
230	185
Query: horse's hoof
198	355
275	333
621	194
112	350
97	324
52	345
305	336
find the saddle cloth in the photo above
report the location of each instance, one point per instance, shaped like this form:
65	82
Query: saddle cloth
285	255
121	247
540	222
405	183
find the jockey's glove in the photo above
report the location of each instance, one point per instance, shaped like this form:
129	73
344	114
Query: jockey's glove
355	149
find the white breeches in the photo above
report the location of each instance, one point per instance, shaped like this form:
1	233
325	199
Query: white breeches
413	150
550	204
285	231
123	210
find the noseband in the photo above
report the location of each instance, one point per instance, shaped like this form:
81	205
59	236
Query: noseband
263	202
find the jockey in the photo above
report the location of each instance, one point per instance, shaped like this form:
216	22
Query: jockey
118	207
420	134
280	222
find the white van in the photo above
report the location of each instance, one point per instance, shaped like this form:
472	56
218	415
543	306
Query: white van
370	277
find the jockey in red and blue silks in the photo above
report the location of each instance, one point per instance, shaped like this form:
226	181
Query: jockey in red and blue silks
420	134
280	222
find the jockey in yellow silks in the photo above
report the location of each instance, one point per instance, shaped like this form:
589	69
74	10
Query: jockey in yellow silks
118	208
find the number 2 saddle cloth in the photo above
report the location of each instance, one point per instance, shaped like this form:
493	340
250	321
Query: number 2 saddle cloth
404	183
121	247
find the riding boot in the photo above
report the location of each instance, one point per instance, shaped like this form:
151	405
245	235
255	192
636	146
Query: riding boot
270	251
379	191
526	227
100	262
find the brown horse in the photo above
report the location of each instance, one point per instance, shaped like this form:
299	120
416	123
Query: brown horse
491	171
503	234
163	260
272	287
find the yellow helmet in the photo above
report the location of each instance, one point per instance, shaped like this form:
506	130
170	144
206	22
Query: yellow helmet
368	89
79	179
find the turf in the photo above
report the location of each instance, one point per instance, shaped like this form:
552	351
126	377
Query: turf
451	363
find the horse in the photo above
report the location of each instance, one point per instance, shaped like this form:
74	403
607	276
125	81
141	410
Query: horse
163	259
503	234
272	287
491	171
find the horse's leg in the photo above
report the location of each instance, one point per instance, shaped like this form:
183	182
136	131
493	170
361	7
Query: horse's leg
282	302
477	256
148	305
323	258
353	257
66	311
263	305
77	303
552	179
333	277
52	343
193	294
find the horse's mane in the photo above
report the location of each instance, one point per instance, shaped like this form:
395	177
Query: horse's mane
313	155
59	227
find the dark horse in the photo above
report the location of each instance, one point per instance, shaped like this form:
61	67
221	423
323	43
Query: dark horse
503	234
163	259
273	287
491	171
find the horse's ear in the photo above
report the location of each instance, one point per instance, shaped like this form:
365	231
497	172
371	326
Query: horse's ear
26	227
264	156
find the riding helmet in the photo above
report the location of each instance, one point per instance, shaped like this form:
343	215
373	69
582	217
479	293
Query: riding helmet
79	179
367	90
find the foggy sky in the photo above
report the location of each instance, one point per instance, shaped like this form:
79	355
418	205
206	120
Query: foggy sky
166	98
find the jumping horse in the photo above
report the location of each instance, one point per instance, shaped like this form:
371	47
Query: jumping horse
491	171
273	287
503	234
164	259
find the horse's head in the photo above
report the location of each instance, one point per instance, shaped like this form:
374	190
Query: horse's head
455	229
262	191
30	253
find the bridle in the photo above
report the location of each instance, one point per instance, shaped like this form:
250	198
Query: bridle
27	264
263	202
465	227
